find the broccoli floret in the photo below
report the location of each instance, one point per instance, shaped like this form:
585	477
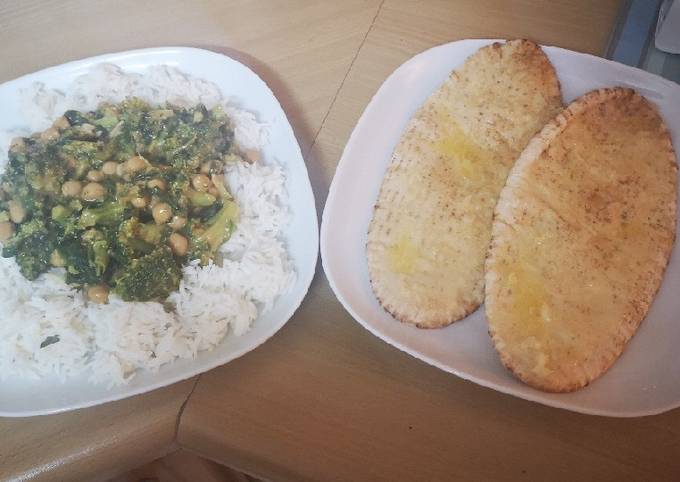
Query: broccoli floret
216	135
107	116
97	250
132	130
172	142
43	169
129	242
134	239
76	259
81	156
205	244
29	176
153	233
188	137
32	245
150	277
109	214
65	220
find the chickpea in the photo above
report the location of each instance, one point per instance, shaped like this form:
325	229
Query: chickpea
71	188
87	130
6	230
57	260
218	181
61	123
139	202
178	222
157	183
252	155
95	175
93	192
49	135
161	212
201	182
161	114
18	145
17	212
110	168
178	243
120	169
135	164
206	166
98	294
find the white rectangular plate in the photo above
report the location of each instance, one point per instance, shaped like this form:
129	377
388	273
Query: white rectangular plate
644	381
20	398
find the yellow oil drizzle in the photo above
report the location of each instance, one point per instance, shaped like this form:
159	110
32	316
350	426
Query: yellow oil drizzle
457	147
402	256
529	310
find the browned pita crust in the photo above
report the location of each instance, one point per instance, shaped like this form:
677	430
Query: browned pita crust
582	234
432	222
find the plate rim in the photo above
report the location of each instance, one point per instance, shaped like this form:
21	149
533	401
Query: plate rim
305	282
328	270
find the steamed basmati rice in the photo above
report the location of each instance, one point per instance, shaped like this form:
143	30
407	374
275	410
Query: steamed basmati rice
111	342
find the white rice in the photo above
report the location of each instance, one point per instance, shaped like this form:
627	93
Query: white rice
111	342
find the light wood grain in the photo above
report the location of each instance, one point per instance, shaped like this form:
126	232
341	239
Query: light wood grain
183	466
94	443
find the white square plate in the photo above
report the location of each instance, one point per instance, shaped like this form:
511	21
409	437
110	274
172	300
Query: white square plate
644	381
19	398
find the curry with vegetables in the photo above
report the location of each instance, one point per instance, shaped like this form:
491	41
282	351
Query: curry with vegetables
121	198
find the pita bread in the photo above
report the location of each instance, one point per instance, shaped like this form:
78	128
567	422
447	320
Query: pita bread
582	234
431	227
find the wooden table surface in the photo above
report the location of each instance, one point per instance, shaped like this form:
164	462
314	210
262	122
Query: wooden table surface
323	399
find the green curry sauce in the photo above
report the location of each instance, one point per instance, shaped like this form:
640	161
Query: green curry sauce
120	198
